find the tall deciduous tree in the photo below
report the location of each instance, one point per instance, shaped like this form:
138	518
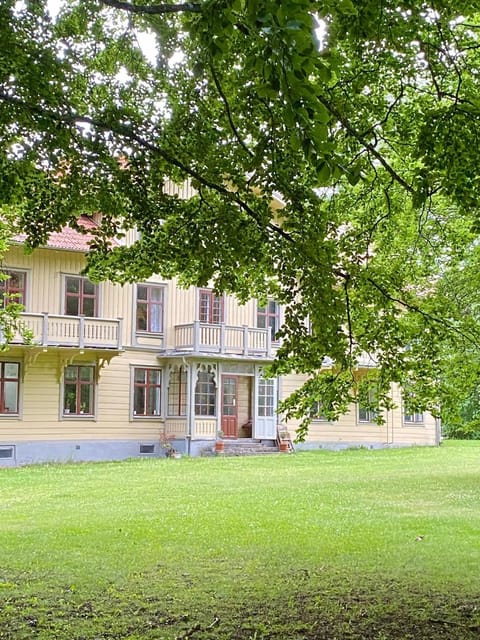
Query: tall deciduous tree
362	118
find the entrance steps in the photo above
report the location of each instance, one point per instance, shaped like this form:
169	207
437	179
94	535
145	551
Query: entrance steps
245	447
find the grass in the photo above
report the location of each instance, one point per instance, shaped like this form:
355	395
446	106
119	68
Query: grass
355	544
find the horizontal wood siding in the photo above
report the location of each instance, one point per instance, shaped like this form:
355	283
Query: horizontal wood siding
41	413
349	430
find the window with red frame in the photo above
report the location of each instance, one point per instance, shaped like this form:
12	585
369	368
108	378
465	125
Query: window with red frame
78	390
13	287
81	297
147	392
149	312
210	307
177	391
9	387
269	317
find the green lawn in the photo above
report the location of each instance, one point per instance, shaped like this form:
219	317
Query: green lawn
354	544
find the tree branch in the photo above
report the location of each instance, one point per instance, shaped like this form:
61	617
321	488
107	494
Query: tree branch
228	111
367	145
129	134
416	309
154	9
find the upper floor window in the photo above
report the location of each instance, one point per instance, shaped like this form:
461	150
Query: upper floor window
147	391
149	312
211	309
9	387
81	297
13	287
177	391
268	317
78	390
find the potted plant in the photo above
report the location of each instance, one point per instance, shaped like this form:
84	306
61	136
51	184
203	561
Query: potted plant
169	450
284	441
219	442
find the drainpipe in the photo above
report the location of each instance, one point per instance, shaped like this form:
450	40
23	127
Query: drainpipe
393	417
188	435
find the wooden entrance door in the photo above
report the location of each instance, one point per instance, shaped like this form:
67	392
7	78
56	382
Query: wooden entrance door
229	406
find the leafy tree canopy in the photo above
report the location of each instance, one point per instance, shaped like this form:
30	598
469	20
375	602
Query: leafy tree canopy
362	118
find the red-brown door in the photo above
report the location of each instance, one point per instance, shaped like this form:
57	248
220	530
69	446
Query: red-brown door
229	406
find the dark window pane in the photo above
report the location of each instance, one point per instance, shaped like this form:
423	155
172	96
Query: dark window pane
139	401
88	288
88	307
72	306
73	285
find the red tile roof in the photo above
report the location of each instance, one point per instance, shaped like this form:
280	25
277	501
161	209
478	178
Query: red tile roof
68	238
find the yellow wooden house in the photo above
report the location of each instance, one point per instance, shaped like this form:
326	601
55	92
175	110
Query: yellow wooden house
124	371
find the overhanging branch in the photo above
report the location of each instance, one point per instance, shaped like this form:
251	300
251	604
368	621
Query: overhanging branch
153	9
129	134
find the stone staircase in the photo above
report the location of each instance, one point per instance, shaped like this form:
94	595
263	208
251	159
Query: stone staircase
245	447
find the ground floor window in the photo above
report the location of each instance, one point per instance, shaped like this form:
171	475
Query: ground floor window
205	394
177	391
413	418
411	415
266	397
147	392
79	390
9	387
366	412
317	412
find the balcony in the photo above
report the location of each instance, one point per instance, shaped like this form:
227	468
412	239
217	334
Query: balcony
72	331
199	337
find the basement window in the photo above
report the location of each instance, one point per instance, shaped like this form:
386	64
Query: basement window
6	453
147	448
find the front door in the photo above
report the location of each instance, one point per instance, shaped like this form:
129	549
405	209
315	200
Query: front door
229	406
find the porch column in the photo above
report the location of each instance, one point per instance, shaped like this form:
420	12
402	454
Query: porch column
245	340
196	335
45	328
222	338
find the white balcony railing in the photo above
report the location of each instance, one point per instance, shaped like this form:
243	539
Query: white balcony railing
72	331
221	338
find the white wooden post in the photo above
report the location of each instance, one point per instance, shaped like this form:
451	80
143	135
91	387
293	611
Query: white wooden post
196	335
45	328
245	340
81	330
222	337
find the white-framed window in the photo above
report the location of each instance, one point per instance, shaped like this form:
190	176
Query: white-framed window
268	317
211	308
413	418
266	397
205	393
147	392
410	414
177	391
317	412
149	308
81	297
79	390
365	413
9	388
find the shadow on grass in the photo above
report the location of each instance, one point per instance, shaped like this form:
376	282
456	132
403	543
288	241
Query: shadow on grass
308	605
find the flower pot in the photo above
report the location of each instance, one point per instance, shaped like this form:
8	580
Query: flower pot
219	446
284	447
